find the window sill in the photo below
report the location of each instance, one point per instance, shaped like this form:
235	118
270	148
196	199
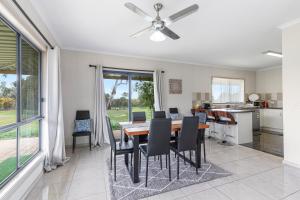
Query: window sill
22	183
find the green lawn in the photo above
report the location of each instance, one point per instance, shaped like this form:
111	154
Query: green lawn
8	166
7	117
121	115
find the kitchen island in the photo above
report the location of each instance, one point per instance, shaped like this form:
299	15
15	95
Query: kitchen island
239	133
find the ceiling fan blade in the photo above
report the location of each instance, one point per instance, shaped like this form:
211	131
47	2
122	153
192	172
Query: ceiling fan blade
137	34
138	11
166	31
181	14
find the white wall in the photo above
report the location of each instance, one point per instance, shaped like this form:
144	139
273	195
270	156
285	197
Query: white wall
269	80
291	91
78	81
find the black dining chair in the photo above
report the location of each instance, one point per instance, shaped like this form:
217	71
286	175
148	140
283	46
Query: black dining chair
140	117
117	148
82	115
187	139
202	119
158	143
159	115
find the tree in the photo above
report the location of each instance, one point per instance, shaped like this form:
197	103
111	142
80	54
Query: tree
117	83
145	91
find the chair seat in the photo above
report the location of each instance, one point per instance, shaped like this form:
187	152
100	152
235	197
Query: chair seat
124	147
78	134
226	122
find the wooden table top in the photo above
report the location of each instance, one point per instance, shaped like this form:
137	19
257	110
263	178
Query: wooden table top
176	125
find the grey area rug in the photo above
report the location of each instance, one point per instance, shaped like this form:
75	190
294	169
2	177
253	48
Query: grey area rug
158	180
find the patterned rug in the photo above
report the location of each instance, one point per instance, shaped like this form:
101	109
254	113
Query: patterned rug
158	180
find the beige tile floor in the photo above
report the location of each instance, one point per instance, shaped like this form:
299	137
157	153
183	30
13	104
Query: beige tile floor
256	176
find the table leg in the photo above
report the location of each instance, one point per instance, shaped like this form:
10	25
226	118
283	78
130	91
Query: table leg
198	150
135	172
126	155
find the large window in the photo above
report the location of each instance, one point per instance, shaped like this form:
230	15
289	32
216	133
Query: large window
228	90
128	92
19	101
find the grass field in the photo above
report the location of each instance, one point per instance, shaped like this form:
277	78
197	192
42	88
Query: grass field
121	115
9	117
8	166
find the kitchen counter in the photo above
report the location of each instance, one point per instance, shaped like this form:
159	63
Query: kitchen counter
231	110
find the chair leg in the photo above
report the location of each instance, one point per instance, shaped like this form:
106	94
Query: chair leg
190	155
160	159
90	141
204	150
147	160
140	160
74	143
197	164
177	166
115	167
131	156
169	166
111	158
184	157
167	161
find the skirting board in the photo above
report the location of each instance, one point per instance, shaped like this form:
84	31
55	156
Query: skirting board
285	162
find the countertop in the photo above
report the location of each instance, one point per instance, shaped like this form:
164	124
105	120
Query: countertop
232	110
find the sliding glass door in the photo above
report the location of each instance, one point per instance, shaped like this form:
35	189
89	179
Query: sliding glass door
19	101
127	92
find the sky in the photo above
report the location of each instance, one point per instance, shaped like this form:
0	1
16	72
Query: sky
9	79
108	85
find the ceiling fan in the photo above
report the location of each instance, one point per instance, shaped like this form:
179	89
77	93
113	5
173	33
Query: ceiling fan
158	25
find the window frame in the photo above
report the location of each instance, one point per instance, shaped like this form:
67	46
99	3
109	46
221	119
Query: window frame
231	78
19	122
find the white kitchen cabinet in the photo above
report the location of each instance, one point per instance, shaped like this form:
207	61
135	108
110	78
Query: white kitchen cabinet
271	119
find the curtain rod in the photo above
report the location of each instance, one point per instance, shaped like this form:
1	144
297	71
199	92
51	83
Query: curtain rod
32	23
126	69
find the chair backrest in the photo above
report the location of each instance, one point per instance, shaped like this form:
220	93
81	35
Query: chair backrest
173	110
187	138
202	117
138	116
82	114
159	114
159	137
112	139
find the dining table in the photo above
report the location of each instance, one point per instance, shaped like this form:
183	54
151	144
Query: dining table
136	129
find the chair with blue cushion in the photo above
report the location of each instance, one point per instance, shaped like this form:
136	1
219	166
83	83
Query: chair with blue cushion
83	126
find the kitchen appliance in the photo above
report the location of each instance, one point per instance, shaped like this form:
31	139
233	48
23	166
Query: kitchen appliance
256	120
206	106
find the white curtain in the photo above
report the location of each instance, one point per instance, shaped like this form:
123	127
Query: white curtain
53	128
100	127
158	90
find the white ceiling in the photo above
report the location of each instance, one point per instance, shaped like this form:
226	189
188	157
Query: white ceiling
222	32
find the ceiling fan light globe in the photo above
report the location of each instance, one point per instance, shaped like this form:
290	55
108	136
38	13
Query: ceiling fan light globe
157	36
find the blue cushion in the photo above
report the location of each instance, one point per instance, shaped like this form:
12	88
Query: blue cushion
174	116
82	125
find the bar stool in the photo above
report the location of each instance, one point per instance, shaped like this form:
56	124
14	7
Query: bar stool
226	119
211	119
